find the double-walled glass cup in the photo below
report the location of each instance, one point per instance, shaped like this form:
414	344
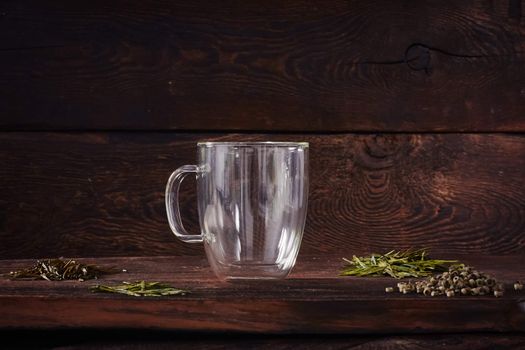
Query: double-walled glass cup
252	200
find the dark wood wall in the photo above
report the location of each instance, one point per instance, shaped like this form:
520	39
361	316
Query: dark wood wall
414	110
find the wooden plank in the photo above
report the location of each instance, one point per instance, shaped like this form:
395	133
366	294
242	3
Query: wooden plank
259	65
116	340
102	194
147	339
313	300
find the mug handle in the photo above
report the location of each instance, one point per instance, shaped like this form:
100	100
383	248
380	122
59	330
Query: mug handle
172	203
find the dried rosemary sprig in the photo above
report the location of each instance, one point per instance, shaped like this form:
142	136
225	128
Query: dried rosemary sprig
400	264
140	289
58	270
458	280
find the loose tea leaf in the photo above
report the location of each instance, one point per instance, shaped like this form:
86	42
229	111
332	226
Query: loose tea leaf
400	264
58	270
140	288
458	280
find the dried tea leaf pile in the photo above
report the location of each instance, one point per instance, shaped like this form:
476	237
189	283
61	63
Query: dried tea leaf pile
58	270
140	289
458	280
400	264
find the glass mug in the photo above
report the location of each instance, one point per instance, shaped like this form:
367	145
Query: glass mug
252	200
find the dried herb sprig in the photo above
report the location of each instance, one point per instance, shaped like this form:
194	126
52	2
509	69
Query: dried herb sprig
140	289
58	270
400	264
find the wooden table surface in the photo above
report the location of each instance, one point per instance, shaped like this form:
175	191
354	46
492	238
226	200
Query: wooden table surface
314	299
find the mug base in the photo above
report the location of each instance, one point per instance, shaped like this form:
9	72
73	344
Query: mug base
250	271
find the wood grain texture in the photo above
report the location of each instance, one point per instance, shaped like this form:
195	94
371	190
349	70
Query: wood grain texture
142	340
259	65
314	299
102	194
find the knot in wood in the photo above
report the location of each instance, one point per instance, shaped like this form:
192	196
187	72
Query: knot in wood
417	57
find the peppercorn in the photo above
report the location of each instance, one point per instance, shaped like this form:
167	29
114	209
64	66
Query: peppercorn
480	282
498	293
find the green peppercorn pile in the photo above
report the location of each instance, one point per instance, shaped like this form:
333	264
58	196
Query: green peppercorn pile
459	280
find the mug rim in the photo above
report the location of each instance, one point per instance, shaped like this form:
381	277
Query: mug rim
255	143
